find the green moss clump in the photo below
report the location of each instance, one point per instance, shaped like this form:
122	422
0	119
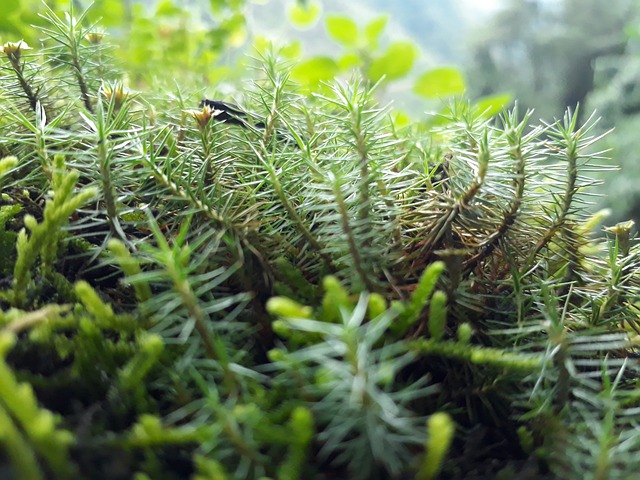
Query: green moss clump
310	292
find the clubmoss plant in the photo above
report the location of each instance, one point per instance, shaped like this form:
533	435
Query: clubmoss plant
42	240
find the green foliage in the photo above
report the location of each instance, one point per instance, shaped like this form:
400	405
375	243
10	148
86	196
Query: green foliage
441	431
166	36
309	292
492	104
29	432
350	373
614	95
7	164
440	82
410	313
561	45
363	51
396	62
342	29
304	16
315	70
43	238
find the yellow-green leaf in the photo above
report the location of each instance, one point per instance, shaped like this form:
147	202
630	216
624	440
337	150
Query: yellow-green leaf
262	44
292	50
395	63
342	29
349	60
304	16
440	82
373	30
493	104
400	119
314	71
167	8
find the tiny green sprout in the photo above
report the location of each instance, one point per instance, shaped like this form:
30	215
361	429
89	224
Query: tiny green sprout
92	302
208	469
30	222
336	296
397	306
526	439
276	355
149	427
7	164
440	429
281	328
302	424
285	307
438	315
377	305
409	313
464	333
150	347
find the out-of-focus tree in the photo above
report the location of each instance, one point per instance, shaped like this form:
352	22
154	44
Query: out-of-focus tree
544	52
616	98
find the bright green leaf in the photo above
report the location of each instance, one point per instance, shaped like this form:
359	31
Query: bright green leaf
304	16
314	71
342	29
217	5
373	30
395	63
493	104
440	82
261	44
400	119
167	8
349	60
292	50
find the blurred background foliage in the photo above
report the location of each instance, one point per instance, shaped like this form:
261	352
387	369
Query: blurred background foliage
546	54
557	54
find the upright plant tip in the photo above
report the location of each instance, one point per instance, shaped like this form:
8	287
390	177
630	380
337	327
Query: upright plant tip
622	232
95	38
441	429
203	117
13	50
116	93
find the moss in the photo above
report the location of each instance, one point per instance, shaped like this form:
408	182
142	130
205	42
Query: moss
295	297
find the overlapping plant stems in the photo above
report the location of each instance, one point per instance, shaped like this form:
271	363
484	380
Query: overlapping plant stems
487	246
571	140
